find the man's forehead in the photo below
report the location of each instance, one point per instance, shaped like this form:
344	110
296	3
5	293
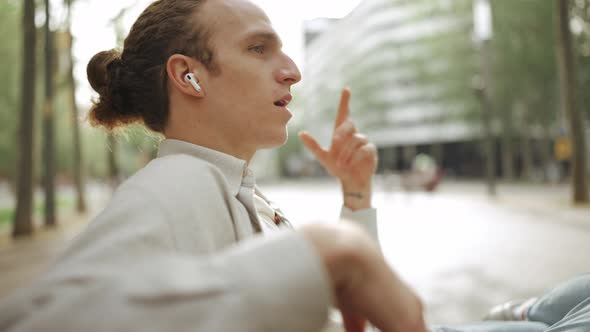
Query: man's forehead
238	13
237	21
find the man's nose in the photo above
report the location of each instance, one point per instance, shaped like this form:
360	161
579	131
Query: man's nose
289	73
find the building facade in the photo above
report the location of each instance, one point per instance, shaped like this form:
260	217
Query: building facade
410	65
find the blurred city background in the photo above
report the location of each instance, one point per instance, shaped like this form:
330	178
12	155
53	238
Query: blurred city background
480	111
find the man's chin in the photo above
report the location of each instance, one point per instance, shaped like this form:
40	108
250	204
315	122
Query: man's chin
276	141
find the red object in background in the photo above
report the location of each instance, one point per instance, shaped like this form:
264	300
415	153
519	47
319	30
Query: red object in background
431	184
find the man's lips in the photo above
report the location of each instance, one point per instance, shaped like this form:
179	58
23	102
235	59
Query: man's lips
284	101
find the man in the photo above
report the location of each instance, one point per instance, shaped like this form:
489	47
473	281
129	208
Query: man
179	246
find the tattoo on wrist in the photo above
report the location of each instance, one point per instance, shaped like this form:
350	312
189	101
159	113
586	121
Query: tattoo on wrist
354	195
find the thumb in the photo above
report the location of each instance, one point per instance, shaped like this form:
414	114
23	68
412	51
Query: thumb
313	146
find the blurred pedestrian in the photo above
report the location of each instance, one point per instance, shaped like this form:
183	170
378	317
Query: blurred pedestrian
425	174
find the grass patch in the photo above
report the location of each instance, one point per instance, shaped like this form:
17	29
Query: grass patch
6	216
63	204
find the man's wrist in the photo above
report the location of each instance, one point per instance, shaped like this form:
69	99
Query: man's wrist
357	197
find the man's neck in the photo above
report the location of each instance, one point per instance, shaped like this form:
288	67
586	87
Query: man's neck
199	126
213	144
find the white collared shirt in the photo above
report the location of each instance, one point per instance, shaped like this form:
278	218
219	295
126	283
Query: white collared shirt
238	175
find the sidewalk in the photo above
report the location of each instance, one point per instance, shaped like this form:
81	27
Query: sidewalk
553	201
465	252
22	260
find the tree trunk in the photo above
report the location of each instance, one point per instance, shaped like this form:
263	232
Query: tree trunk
48	131
389	159
507	147
487	120
527	154
23	219
568	91
77	146
409	154
507	159
437	154
545	151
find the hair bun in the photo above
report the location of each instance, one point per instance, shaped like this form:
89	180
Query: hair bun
98	68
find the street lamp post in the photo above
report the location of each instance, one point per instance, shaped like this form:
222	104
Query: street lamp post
482	20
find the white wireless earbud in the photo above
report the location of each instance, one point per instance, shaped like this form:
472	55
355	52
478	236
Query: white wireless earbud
190	78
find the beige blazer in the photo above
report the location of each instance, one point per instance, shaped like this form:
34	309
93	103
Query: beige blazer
175	250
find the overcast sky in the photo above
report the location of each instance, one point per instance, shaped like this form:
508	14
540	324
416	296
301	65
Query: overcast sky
93	31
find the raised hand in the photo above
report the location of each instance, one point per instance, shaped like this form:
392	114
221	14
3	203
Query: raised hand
351	157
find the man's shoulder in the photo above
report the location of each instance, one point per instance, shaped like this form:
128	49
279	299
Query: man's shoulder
180	162
179	173
178	165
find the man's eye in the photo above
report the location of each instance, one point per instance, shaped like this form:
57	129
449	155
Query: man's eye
258	49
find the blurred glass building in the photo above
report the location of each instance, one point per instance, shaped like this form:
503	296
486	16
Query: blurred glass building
410	65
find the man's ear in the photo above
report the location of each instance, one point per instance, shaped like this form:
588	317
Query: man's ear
177	67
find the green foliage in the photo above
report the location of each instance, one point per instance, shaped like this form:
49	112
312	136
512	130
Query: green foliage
581	22
6	216
65	204
136	145
10	51
524	65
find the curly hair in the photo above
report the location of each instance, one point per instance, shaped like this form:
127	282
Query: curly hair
132	84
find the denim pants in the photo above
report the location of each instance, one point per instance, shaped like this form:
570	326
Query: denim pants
566	308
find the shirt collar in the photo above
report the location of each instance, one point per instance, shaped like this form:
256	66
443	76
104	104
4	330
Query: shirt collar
235	170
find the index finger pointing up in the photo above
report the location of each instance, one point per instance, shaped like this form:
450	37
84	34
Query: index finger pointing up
343	109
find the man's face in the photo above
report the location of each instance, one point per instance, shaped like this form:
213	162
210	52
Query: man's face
249	94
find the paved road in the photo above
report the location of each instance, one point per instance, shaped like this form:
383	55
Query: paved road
461	251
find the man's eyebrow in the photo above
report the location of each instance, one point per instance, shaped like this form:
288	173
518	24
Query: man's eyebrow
265	35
